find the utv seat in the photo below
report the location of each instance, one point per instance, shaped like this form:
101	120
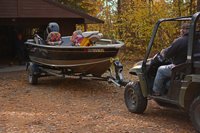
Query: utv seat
197	57
180	70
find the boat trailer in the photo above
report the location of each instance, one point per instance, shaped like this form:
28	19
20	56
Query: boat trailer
35	71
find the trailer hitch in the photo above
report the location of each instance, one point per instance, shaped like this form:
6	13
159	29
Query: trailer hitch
118	71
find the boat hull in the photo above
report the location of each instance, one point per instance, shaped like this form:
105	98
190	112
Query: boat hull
92	60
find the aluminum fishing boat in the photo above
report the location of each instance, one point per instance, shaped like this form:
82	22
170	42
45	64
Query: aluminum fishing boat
81	54
93	60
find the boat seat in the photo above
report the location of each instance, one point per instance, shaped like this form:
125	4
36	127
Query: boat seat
94	38
89	33
86	38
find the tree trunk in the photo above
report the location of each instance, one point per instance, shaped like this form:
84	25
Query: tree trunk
198	5
179	7
191	2
119	18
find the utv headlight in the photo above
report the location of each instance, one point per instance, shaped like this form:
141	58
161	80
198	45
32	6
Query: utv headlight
135	65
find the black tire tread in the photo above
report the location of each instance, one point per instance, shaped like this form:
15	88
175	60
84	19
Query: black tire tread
34	77
191	113
142	101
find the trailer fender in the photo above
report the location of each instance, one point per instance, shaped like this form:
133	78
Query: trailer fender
186	83
34	68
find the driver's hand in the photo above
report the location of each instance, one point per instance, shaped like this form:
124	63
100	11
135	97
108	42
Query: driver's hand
161	52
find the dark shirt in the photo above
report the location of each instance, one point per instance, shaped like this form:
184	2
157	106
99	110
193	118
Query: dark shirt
178	49
19	43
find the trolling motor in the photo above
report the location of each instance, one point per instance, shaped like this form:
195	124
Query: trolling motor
118	71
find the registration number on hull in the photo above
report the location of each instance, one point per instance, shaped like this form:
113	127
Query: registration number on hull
95	50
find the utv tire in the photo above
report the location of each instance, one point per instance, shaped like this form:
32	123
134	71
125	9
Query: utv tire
135	102
195	113
32	79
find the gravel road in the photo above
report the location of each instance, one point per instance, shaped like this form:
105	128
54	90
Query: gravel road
60	105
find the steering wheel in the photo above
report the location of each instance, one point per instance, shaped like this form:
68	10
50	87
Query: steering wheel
158	58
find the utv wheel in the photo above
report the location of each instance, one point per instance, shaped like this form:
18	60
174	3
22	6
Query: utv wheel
195	113
32	79
135	102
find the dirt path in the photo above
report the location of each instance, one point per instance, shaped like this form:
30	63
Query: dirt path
71	105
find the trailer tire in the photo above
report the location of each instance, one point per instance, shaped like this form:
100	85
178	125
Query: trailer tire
135	101
32	79
195	113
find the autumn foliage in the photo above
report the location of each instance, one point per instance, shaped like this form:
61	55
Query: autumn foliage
132	21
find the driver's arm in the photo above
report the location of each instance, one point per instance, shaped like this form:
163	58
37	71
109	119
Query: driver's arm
170	51
162	51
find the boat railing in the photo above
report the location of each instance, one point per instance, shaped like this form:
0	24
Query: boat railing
66	41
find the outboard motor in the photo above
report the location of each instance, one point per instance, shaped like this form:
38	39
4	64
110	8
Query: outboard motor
54	37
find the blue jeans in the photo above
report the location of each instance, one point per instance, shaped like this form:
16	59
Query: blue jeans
162	73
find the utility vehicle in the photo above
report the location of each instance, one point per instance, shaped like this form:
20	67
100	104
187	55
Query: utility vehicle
184	89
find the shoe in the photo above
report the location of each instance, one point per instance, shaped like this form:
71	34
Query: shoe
165	91
156	94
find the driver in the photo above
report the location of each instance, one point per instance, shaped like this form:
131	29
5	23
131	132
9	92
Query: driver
178	52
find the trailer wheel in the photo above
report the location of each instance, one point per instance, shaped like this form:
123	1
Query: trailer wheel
195	113
135	102
32	79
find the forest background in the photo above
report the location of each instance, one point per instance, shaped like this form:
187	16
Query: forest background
132	21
